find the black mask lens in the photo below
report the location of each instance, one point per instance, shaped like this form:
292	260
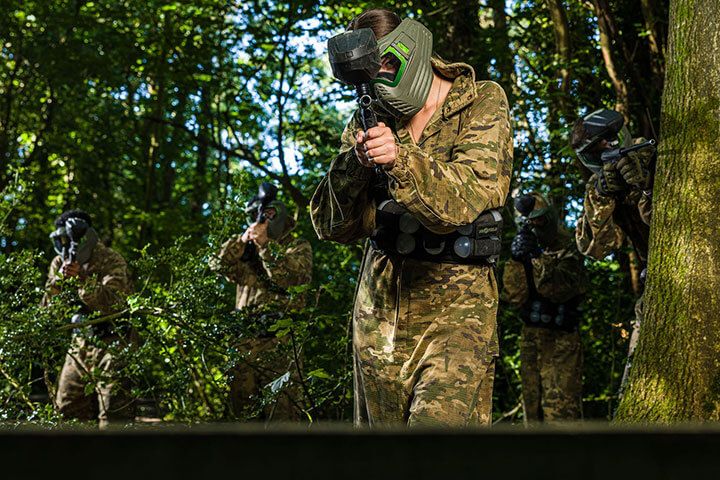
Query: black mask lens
390	66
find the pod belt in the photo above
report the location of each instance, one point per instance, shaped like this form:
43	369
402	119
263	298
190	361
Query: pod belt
398	232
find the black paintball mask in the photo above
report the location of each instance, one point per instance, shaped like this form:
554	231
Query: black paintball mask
539	215
258	206
600	125
75	240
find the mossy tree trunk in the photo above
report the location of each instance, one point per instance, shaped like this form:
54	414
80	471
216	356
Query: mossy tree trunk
676	371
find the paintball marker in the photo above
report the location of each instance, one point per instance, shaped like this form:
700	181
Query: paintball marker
257	206
614	155
355	60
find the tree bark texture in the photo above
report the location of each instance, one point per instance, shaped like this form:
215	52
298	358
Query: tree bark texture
676	372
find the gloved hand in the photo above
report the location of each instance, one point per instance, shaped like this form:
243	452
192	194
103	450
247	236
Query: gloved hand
525	245
632	170
610	181
635	168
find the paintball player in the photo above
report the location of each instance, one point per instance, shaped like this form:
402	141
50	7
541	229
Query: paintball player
423	186
102	283
546	279
618	195
264	262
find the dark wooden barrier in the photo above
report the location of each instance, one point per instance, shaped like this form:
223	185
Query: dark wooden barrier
247	452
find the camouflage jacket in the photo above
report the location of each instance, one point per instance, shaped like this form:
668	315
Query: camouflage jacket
599	232
460	166
106	282
264	279
558	273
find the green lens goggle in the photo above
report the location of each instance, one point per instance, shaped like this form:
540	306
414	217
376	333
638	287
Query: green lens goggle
396	59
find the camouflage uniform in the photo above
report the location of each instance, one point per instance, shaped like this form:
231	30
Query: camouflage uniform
605	222
263	280
89	361
424	333
551	359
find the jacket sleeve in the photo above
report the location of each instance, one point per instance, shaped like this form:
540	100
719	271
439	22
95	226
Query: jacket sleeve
289	266
560	277
444	195
53	277
228	262
596	233
645	209
515	287
105	289
341	208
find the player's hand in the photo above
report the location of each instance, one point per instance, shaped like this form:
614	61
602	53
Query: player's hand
632	171
72	269
610	181
258	234
376	147
524	246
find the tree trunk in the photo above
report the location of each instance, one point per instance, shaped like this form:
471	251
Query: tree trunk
606	30
676	371
501	47
561	109
655	35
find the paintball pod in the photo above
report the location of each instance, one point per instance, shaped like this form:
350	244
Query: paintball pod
614	155
267	193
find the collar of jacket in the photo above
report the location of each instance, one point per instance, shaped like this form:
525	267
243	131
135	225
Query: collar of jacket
463	92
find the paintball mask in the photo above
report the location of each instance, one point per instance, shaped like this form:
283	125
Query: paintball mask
75	240
408	48
542	216
265	199
602	125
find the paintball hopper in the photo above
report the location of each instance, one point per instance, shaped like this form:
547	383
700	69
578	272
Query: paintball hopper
75	240
354	56
532	205
525	204
354	59
267	193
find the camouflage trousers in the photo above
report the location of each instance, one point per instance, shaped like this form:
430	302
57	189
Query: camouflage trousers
551	374
89	366
424	342
264	368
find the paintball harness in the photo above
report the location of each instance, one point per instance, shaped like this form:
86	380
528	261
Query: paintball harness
397	232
